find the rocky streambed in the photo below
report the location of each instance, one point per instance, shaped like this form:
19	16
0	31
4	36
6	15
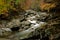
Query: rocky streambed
29	24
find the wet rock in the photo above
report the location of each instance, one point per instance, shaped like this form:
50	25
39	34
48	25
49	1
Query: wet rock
32	24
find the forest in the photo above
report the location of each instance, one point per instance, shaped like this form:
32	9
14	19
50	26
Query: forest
29	19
